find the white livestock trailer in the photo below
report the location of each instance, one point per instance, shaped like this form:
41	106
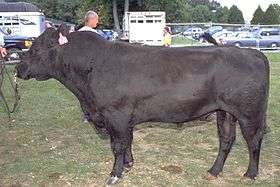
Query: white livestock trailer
144	27
21	19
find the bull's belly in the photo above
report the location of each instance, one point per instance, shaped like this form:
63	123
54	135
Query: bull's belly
174	110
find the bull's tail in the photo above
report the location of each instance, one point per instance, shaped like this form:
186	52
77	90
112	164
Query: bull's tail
209	38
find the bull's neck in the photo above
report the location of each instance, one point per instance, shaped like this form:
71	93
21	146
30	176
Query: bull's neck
76	86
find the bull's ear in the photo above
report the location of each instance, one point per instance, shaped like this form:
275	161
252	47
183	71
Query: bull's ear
50	32
64	29
51	36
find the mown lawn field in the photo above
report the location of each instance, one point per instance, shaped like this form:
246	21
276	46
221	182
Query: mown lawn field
47	144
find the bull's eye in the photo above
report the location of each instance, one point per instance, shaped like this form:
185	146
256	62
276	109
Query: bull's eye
33	52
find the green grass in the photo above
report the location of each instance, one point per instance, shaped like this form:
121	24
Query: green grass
48	145
273	57
181	40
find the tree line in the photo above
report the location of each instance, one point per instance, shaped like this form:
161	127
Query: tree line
111	11
269	17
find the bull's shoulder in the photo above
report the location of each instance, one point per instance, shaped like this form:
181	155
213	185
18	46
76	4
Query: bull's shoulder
82	37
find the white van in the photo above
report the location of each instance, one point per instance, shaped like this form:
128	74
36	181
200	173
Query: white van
144	27
21	18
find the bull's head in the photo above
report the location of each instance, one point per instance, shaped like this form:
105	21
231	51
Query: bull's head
38	62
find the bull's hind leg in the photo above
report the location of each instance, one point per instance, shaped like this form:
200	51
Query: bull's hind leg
253	131
227	133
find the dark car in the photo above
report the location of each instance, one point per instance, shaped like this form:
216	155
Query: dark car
107	34
17	42
268	32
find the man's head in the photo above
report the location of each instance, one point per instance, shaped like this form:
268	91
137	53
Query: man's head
91	19
39	61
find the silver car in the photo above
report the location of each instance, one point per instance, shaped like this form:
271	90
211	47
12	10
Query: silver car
252	40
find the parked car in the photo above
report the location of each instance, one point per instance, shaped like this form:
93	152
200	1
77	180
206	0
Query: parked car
268	32
244	28
220	36
18	42
252	40
192	31
111	34
214	29
178	29
107	34
254	29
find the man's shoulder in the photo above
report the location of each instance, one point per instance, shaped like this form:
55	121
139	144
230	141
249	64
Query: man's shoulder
85	28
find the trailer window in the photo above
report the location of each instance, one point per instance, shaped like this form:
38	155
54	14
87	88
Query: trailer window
8	24
133	21
140	21
149	21
157	21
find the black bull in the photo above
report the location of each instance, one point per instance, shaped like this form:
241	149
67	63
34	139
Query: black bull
121	85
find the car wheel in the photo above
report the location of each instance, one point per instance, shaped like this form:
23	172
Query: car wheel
274	45
201	40
14	53
237	44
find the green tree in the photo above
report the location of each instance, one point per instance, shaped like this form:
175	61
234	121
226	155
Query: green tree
235	15
58	9
201	13
270	16
222	14
258	16
195	3
176	10
277	8
102	7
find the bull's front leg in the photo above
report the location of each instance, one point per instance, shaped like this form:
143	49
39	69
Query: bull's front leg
128	158
121	140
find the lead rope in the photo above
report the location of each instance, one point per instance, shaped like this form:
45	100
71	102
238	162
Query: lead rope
15	86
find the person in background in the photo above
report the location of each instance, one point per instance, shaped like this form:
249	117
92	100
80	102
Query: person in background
166	37
91	21
3	50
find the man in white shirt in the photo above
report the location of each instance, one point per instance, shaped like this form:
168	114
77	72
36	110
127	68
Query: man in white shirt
91	21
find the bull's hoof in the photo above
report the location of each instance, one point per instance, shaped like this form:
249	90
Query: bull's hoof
247	181
249	176
214	172
128	167
113	180
210	177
